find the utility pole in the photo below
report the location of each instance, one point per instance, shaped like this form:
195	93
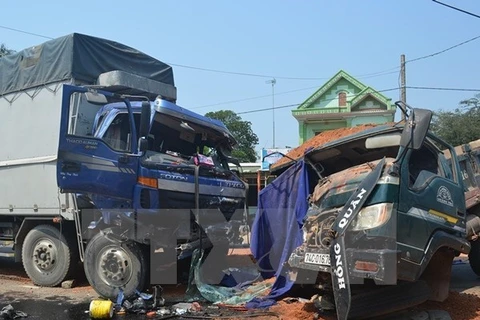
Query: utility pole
403	89
273	82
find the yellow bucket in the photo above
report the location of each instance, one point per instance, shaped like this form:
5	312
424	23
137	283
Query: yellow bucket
101	309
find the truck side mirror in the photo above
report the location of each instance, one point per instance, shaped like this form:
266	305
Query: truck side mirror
416	128
96	98
144	126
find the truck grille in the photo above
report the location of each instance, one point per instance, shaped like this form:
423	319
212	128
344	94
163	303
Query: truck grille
181	200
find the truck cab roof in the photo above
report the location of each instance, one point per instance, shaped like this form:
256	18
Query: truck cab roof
169	109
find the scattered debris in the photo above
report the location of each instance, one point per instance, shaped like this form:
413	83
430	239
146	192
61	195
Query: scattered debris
158	299
292	300
196	307
139	306
238	294
163	312
68	284
101	309
144	296
151	314
8	312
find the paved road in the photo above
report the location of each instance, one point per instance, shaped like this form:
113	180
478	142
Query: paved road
58	303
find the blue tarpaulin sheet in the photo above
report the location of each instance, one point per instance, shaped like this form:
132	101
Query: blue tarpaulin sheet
276	230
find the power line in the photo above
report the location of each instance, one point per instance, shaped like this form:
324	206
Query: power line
324	100
280	93
242	73
26	32
458	9
364	76
443	89
368	75
384	90
444	50
253	98
270	108
379	73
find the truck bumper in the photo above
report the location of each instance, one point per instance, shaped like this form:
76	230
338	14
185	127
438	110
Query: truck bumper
377	264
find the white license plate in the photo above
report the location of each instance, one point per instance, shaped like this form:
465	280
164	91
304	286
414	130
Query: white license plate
317	258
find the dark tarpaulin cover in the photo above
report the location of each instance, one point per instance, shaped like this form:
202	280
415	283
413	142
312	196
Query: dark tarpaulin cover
276	230
76	56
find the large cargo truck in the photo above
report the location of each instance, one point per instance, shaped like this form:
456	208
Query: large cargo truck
96	157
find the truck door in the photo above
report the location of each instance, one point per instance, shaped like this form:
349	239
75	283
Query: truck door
430	199
104	166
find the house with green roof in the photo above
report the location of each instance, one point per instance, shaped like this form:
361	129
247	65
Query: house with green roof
342	102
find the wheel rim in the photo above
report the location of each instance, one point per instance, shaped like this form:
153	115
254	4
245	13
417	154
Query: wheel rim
45	255
114	266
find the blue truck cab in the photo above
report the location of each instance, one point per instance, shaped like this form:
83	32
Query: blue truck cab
153	183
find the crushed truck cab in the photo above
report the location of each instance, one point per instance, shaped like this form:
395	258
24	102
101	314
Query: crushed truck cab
387	214
155	175
100	165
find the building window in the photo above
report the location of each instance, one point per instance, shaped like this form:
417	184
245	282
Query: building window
342	99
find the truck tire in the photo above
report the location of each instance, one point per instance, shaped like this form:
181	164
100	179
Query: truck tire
48	258
474	256
112	266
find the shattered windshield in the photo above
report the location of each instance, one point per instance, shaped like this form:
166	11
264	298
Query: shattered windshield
179	141
172	139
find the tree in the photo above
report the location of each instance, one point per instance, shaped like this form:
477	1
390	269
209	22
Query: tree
244	151
461	125
4	50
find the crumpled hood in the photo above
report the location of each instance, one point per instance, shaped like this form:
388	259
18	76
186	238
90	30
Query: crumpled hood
335	190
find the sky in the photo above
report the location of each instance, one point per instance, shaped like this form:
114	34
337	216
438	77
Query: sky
308	40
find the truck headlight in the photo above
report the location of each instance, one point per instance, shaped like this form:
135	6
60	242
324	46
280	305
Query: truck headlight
372	216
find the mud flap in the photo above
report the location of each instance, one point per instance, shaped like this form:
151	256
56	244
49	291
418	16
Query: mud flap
340	278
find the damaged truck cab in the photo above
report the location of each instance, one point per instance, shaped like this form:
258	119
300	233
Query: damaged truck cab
100	165
386	218
154	183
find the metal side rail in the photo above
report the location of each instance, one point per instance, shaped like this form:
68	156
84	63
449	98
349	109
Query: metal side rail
78	229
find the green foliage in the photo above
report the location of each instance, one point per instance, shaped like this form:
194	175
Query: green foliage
243	133
461	125
4	50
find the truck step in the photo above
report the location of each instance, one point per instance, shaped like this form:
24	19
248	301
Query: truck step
6	249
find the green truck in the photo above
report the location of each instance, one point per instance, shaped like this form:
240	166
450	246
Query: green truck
389	210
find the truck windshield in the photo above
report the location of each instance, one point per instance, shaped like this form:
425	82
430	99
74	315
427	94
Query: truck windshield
174	137
170	136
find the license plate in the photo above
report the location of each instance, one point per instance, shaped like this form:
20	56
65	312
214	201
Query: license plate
317	258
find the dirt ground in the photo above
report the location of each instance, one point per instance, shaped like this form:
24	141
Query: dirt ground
58	303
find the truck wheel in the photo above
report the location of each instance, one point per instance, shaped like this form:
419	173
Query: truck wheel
474	256
112	266
47	256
